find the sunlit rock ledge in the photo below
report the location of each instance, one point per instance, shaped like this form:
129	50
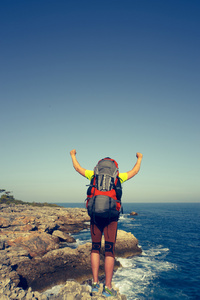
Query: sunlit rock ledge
31	256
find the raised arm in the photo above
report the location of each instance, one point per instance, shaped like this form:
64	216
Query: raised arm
136	168
76	164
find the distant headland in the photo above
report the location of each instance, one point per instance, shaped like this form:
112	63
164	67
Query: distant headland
8	199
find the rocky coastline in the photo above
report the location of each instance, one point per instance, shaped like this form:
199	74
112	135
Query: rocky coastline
33	258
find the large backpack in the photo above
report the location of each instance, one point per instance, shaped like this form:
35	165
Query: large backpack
105	191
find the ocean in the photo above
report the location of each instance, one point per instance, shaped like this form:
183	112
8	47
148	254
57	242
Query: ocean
169	266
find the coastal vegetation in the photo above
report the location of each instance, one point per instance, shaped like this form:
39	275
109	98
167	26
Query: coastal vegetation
6	198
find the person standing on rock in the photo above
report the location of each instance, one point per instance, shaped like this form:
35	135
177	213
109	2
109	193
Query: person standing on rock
108	226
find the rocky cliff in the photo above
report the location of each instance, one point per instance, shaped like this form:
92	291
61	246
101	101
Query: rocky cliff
32	256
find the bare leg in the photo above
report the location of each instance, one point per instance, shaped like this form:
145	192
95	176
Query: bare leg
95	261
109	267
110	233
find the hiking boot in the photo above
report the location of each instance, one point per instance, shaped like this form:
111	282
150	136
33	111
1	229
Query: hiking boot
108	292
95	287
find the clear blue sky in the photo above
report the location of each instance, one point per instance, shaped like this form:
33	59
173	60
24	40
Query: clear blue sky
108	78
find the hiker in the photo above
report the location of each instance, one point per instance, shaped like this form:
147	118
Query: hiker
106	224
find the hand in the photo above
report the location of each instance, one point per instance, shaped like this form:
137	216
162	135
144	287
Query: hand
73	152
139	155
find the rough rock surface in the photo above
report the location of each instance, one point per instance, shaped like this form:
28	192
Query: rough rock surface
70	291
32	258
73	290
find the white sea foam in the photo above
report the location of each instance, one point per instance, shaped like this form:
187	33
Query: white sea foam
77	243
131	222
136	273
124	216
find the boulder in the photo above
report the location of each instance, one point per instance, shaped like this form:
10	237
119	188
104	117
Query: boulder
48	227
55	267
36	243
133	213
126	244
63	237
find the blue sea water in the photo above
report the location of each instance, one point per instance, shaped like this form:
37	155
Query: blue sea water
169	266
